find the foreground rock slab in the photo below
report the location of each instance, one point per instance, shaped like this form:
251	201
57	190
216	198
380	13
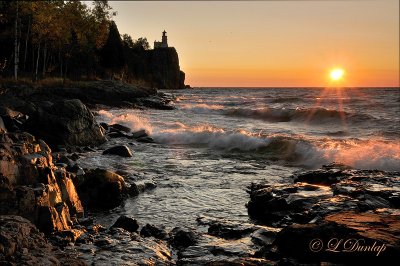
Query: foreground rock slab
21	243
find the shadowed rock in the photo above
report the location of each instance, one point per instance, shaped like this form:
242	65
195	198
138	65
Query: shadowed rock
121	150
101	188
126	223
66	122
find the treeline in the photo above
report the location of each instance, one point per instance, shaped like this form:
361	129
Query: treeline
66	39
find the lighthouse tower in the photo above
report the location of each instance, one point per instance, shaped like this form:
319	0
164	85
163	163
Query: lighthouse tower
163	43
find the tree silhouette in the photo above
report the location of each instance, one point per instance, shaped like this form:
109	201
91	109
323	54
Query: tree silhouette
112	53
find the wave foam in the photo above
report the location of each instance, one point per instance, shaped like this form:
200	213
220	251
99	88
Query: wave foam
134	122
287	115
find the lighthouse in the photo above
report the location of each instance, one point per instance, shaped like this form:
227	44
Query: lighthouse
163	43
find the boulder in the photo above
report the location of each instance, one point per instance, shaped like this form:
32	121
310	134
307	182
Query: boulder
121	150
318	193
67	122
182	238
126	223
21	243
344	237
145	140
150	230
139	134
118	127
101	188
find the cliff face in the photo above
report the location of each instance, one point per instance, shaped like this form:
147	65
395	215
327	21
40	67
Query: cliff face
157	68
164	69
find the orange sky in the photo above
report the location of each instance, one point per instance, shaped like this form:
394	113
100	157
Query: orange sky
273	43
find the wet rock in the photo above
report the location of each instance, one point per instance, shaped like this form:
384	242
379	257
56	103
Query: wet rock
21	243
145	140
74	157
182	238
343	189
121	150
119	127
69	235
69	194
67	122
152	231
126	223
133	190
344	237
101	188
117	134
139	134
3	128
104	125
52	219
124	248
65	160
229	231
156	103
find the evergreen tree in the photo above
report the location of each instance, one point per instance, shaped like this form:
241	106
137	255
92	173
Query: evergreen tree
112	53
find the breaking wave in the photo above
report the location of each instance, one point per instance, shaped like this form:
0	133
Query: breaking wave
305	115
297	150
133	121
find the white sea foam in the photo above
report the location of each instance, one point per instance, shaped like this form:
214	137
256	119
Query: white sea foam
133	121
212	137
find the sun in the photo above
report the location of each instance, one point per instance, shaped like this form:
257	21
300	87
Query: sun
336	74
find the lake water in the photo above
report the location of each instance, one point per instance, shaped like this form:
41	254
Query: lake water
218	141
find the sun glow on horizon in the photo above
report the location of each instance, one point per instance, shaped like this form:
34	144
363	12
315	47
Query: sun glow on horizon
336	74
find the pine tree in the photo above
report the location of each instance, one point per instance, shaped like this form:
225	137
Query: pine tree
112	53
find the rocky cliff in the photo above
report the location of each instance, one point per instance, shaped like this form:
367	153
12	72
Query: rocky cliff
158	68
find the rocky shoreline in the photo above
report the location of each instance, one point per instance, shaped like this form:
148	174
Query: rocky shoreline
46	199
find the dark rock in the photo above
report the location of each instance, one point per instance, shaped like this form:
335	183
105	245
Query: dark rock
74	157
67	122
100	188
117	134
139	134
50	218
3	128
145	140
88	148
149	185
104	125
126	223
182	238
21	243
229	231
121	150
118	127
133	190
337	237
156	104
65	160
152	231
344	189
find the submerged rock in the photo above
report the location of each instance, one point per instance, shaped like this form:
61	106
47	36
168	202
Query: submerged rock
120	150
